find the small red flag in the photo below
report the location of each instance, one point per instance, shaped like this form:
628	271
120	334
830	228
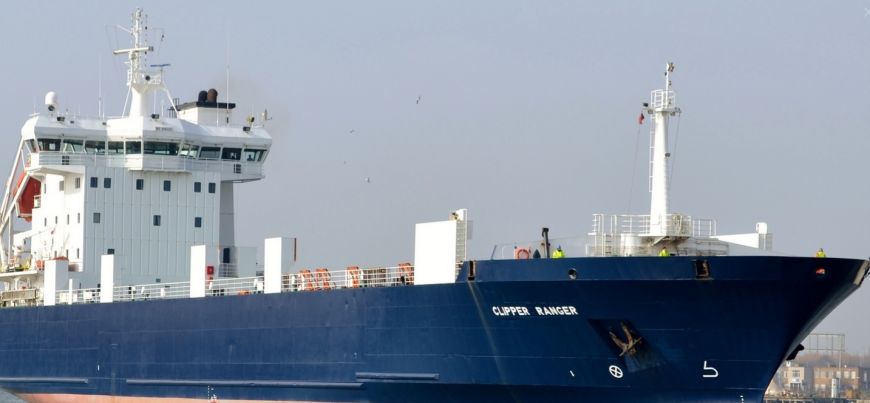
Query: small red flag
640	119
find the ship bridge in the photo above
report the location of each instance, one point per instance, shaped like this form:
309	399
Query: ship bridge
144	186
60	144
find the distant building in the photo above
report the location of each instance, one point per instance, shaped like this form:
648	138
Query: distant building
845	380
794	378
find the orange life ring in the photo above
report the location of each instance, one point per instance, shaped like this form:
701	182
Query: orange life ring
307	279
354	274
406	271
522	253
322	279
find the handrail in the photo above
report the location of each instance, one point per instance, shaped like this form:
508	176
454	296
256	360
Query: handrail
352	277
147	162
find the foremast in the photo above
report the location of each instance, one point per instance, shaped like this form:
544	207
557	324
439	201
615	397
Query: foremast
663	232
662	107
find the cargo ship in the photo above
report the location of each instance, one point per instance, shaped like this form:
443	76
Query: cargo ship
122	282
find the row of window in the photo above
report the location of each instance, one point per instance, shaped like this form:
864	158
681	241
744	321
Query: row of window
197	221
156	219
103	147
140	184
78	219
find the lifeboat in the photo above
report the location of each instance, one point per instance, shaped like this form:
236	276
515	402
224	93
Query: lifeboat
25	202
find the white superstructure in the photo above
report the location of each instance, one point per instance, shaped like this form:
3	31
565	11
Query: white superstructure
145	186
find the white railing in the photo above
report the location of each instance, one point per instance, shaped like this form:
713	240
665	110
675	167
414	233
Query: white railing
151	291
300	281
78	296
658	98
313	280
630	235
26	297
639	224
571	246
147	162
234	286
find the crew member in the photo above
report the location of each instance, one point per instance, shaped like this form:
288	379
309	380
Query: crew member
664	252
821	253
558	253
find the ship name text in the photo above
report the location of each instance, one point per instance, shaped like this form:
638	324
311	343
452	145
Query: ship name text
535	311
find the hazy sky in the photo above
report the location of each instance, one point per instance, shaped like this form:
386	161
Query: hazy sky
527	117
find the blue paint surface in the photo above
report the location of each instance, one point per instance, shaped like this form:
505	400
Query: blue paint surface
450	342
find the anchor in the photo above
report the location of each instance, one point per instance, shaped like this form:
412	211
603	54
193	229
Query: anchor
629	346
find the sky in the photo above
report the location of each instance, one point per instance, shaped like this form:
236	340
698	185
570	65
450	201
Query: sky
527	114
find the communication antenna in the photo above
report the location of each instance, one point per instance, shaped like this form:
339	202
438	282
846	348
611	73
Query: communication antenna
100	86
227	48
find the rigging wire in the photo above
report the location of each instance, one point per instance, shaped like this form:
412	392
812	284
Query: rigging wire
674	154
634	167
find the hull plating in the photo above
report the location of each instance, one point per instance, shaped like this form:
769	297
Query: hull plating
520	331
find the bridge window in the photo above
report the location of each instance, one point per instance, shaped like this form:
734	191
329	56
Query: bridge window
161	148
197	187
133	147
94	181
96	218
107	183
189	150
78	183
140	184
157	220
211	187
167	186
197	222
73	146
252	155
95	147
209	153
232	154
48	144
116	147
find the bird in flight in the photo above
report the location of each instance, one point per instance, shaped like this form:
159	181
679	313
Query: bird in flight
419	98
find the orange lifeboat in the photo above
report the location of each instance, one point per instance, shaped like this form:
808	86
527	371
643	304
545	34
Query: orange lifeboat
307	280
25	202
322	279
353	274
406	273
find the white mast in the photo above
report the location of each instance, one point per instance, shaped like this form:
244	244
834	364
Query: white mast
140	80
661	107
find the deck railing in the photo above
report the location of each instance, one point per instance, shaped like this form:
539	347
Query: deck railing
148	162
303	280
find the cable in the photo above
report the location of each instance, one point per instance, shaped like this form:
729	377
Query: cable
674	154
634	168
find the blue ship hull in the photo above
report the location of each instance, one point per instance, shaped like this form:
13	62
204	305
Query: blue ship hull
507	330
